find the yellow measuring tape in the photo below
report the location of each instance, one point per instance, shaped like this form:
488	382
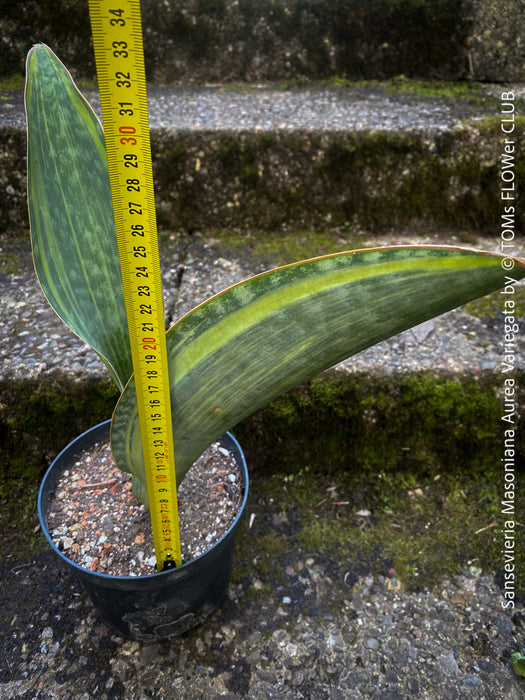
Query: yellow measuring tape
117	38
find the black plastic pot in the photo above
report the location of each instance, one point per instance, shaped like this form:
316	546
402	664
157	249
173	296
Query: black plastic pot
159	605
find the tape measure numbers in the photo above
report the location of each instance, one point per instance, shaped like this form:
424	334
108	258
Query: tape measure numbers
117	38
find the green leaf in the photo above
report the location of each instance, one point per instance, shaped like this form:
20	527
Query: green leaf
258	339
70	211
518	664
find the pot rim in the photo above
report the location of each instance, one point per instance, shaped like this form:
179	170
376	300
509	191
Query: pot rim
197	561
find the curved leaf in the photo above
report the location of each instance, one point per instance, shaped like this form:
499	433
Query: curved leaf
71	215
247	345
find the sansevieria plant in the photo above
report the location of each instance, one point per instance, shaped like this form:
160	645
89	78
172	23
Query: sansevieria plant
243	347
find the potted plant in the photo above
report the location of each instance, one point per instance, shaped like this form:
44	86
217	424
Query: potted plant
227	357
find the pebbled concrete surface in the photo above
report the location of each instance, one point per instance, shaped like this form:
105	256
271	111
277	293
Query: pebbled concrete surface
307	632
35	343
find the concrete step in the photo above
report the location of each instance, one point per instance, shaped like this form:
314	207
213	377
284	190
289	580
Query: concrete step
36	343
349	157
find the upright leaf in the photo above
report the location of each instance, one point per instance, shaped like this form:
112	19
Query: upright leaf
258	339
71	215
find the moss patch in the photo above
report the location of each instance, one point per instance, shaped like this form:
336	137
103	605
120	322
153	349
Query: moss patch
13	82
492	125
420	527
450	92
490	306
359	422
398	473
284	248
9	263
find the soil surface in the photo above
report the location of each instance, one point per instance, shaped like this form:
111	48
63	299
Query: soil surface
95	520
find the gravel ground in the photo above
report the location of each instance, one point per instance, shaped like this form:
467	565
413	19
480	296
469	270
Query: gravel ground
306	635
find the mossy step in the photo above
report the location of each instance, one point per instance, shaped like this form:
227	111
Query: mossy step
338	421
401	473
259	40
370	156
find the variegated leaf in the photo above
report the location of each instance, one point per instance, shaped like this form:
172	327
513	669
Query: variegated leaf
71	215
258	339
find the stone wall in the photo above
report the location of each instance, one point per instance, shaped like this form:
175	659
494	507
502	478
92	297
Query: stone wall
313	180
496	44
203	41
301	180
